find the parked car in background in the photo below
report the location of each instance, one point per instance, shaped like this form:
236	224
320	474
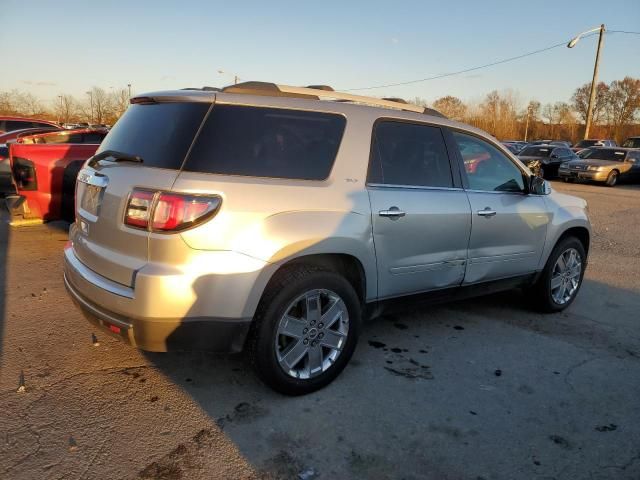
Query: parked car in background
544	160
601	164
44	169
632	142
6	185
24	132
517	144
8	124
561	143
80	135
583	153
593	142
255	219
512	147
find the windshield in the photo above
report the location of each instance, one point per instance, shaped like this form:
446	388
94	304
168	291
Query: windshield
606	154
584	153
632	143
159	133
536	152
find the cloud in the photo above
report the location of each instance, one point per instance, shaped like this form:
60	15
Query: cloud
395	41
39	84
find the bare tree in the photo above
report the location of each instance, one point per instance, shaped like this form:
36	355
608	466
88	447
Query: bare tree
451	107
101	104
623	103
119	103
580	101
65	108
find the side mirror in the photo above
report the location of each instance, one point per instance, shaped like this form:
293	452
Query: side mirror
538	186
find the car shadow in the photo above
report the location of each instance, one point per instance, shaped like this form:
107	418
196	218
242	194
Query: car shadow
5	233
403	360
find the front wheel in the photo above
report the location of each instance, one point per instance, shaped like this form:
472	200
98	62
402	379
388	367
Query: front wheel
560	281
612	178
305	330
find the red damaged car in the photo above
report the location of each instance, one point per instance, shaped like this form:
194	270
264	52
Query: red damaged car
44	169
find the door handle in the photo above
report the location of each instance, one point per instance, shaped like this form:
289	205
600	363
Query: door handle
394	213
487	212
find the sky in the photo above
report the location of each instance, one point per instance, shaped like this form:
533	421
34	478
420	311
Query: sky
64	46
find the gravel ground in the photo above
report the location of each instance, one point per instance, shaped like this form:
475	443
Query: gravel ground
481	389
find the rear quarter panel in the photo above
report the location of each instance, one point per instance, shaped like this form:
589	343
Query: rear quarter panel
277	220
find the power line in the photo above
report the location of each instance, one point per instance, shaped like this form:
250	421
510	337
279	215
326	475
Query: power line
622	31
466	70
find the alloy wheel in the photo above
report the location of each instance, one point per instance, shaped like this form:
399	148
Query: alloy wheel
565	277
312	333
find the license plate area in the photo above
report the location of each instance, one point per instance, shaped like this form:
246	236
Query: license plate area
91	199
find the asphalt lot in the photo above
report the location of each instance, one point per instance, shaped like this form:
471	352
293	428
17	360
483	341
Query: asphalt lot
481	389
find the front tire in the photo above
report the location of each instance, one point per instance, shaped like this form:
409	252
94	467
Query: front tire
561	279
612	178
305	329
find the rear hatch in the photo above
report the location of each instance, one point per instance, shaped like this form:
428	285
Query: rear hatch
158	131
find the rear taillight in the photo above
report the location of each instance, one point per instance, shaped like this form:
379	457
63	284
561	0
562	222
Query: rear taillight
169	212
24	174
139	208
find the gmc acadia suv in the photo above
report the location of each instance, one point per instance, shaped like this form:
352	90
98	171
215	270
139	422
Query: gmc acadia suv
273	219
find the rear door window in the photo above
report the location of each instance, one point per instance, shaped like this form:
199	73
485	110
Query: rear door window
267	142
159	133
409	155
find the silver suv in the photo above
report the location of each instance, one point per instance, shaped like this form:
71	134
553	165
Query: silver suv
274	219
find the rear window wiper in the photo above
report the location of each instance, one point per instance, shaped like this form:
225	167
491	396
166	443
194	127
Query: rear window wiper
115	156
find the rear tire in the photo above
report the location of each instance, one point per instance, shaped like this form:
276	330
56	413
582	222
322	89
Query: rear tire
612	178
547	294
288	341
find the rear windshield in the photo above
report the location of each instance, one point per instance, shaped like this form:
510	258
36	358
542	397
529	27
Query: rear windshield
536	152
267	142
159	133
606	154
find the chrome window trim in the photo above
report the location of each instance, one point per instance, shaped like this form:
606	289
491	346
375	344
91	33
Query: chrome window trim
494	192
413	187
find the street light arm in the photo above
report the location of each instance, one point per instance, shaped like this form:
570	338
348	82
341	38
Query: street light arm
577	38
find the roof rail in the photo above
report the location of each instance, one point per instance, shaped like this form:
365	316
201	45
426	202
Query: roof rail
317	92
395	99
203	89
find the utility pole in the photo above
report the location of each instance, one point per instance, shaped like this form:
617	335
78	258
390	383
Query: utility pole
594	81
129	85
594	84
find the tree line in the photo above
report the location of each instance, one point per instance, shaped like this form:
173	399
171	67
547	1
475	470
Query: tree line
98	106
616	112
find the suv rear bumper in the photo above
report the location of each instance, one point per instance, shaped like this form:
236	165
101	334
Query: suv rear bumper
119	310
